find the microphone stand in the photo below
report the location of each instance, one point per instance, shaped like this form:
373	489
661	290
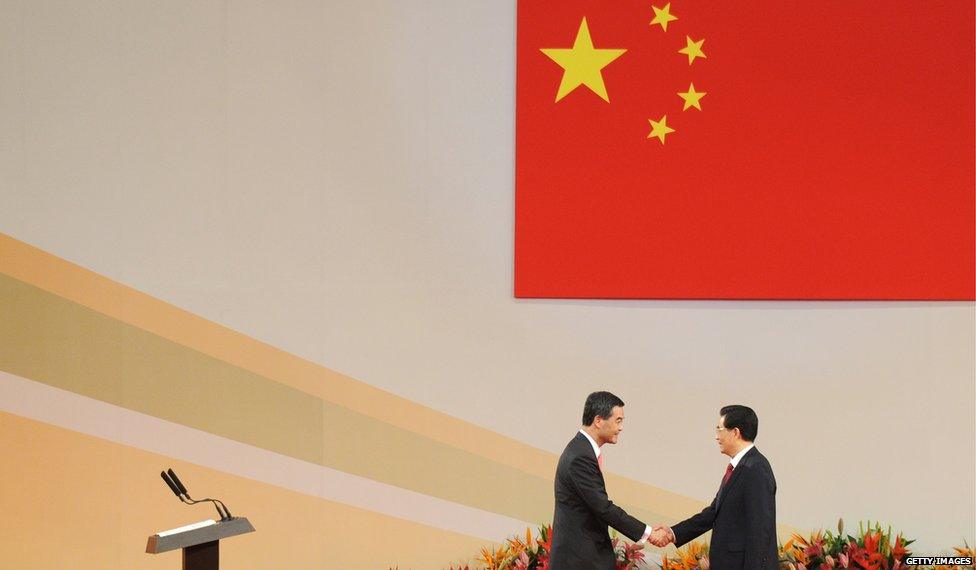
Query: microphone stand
175	485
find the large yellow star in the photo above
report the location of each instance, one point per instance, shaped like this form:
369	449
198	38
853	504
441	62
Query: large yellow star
582	64
662	16
660	128
693	49
692	98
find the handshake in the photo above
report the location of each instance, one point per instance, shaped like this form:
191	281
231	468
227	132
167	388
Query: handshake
661	536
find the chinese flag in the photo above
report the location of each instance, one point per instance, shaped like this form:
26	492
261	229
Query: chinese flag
745	150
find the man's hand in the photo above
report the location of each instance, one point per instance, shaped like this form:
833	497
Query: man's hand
661	536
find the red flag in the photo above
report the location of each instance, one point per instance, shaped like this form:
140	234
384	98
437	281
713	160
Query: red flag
745	150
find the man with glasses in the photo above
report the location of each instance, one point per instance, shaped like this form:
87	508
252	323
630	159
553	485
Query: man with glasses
742	517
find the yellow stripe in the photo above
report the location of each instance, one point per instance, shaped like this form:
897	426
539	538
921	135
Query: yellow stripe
51	340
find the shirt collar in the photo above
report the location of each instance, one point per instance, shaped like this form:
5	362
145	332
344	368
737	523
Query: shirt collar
738	456
596	448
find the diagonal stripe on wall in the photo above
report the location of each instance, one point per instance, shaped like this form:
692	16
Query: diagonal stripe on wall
92	417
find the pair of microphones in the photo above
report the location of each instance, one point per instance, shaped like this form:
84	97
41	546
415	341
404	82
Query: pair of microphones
179	490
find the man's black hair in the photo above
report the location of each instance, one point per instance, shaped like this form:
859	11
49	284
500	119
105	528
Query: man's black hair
599	404
741	417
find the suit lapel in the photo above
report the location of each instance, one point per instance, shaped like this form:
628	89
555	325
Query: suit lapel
724	490
586	450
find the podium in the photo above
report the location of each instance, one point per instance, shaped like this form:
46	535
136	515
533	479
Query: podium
201	546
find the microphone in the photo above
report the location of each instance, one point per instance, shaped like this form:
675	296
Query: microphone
179	484
171	484
180	491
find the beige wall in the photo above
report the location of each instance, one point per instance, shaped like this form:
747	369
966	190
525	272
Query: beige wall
335	179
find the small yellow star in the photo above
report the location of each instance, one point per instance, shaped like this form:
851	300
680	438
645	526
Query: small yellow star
583	64
693	49
692	98
662	16
660	128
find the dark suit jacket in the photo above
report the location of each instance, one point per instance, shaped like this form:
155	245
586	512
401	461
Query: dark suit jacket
742	519
580	539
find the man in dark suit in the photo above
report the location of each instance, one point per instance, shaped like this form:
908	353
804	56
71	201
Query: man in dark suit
742	517
580	539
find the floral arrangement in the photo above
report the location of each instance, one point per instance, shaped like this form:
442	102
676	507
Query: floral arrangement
871	548
533	554
517	554
694	556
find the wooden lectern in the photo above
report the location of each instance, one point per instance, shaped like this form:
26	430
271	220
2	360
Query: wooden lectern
201	546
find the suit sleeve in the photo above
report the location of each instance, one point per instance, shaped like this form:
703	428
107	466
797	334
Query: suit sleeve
586	477
760	507
690	529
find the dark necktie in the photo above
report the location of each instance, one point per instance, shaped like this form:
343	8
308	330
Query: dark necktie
728	474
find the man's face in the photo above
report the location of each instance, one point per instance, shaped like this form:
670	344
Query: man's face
609	428
726	438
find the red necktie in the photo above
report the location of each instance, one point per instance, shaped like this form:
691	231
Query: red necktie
599	460
728	474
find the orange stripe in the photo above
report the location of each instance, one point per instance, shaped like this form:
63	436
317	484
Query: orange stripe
83	502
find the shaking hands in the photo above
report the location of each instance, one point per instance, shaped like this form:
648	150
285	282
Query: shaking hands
661	536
